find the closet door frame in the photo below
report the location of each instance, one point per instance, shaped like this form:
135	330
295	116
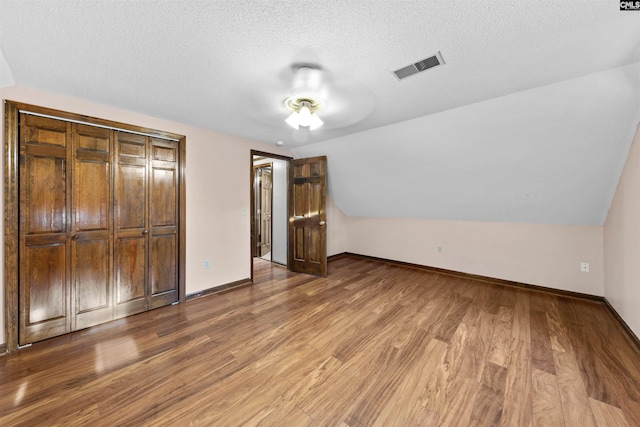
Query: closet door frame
12	110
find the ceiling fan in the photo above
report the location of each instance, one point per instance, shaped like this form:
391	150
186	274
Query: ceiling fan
307	99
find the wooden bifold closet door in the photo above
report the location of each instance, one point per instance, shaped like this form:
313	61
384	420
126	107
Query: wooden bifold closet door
45	233
146	261
99	213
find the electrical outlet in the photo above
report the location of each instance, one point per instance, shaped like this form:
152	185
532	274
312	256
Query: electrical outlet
584	267
207	264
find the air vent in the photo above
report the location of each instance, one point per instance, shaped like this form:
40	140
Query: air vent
420	66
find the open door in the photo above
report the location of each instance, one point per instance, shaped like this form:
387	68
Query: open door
263	193
308	216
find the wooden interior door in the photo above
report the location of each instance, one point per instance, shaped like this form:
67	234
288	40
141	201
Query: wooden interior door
262	207
92	227
308	216
266	200
163	219
131	228
44	240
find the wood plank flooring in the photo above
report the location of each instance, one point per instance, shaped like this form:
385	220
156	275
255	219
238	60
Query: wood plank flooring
373	344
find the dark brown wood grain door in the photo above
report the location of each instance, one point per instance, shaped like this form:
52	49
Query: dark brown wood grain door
44	238
92	227
263	200
308	216
131	228
266	200
163	203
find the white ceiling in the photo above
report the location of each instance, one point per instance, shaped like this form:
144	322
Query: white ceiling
529	120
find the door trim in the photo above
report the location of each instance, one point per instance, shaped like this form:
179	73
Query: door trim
11	224
11	201
252	203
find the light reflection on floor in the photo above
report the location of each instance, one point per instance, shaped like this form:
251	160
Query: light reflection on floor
112	353
20	394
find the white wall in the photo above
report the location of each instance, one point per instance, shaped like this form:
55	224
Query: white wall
622	243
6	77
548	155
336	229
279	213
217	178
536	254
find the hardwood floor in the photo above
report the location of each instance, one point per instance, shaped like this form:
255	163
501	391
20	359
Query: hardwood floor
371	344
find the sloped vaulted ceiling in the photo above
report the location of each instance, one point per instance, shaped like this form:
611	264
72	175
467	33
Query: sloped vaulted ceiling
529	120
547	155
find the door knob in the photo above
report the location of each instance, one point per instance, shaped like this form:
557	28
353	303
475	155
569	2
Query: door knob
76	237
322	222
145	232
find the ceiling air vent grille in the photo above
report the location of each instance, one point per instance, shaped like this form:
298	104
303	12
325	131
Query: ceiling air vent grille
418	67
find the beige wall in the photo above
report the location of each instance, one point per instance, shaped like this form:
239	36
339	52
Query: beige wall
218	184
622	243
537	254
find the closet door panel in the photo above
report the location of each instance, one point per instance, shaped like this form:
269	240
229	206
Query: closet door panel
44	284
44	130
131	181
164	272
163	197
46	202
130	275
92	282
44	293
92	195
131	232
163	205
92	226
131	196
91	273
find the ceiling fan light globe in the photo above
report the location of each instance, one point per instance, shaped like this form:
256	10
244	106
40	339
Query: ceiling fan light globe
315	122
293	120
304	116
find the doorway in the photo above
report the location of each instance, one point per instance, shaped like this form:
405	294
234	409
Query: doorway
297	214
269	209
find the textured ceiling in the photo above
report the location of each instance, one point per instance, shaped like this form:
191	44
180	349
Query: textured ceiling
530	119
